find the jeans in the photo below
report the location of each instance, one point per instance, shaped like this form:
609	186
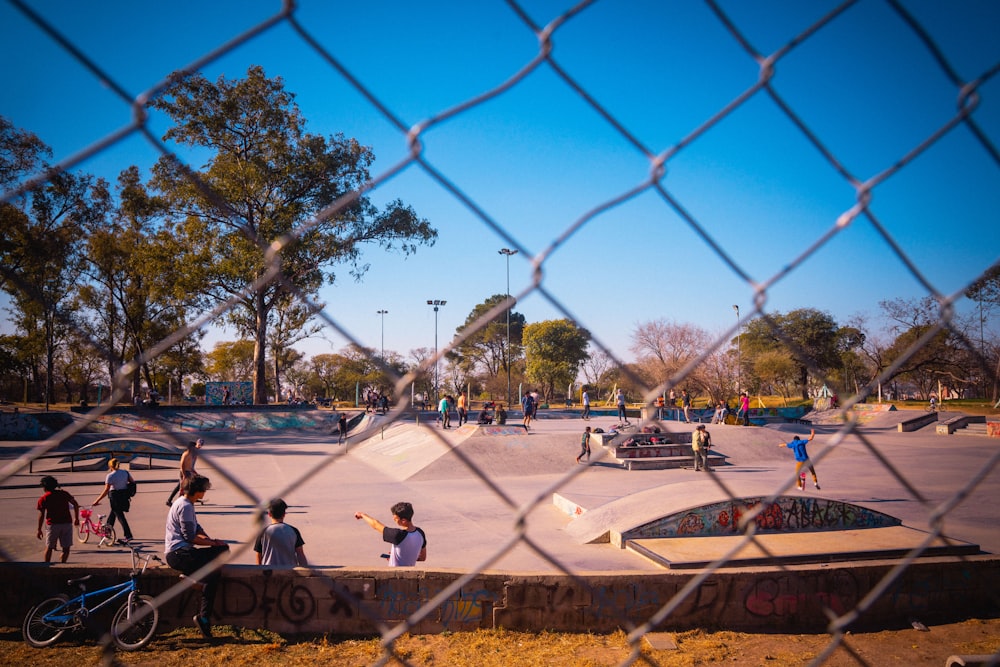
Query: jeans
189	560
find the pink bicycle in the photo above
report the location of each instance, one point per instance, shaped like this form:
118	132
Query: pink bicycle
88	528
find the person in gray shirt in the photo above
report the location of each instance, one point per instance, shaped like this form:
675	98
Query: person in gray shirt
280	544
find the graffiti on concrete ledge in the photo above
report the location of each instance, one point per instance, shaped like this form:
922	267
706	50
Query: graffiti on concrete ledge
786	514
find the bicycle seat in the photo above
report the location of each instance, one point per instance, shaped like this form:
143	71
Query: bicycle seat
79	580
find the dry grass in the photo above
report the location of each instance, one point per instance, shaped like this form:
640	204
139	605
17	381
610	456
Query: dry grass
498	648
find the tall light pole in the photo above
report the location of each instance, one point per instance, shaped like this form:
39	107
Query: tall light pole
383	313
739	352
508	252
436	303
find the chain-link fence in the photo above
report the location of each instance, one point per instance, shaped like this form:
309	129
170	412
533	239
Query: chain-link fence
967	99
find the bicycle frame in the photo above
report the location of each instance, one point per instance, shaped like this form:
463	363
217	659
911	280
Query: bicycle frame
70	618
59	616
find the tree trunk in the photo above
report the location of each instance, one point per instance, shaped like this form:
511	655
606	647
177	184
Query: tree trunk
259	352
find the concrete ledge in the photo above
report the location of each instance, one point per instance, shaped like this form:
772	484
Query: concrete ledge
791	598
949	426
915	423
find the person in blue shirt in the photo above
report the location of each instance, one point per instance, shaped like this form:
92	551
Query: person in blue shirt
798	445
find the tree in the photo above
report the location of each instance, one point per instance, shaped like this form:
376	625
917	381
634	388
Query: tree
596	370
43	258
267	181
230	361
554	351
986	293
138	292
483	353
809	335
663	348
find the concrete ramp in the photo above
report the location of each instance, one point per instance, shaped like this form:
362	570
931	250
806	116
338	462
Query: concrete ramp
403	450
796	548
791	529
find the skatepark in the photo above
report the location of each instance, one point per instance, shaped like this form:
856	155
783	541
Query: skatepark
507	500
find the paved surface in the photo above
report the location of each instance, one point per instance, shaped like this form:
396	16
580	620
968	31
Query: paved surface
471	491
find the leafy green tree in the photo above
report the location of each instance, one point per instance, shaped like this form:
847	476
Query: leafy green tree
269	182
43	256
138	293
554	351
778	371
230	361
809	335
483	353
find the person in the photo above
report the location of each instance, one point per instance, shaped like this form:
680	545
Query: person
686	405
720	414
342	424
501	415
225	395
660	405
53	512
620	400
188	548
280	543
528	409
188	460
798	445
584	445
743	414
485	417
463	416
701	442
443	407
116	489
585	399
933	403
409	543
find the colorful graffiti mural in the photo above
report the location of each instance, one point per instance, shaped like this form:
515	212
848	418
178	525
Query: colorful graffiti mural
786	514
229	393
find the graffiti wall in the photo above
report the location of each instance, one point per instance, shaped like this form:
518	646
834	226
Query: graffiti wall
229	393
787	514
353	602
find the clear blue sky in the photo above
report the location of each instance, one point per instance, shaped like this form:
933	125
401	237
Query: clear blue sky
538	158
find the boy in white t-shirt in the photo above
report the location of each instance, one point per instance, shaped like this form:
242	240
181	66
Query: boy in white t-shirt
409	544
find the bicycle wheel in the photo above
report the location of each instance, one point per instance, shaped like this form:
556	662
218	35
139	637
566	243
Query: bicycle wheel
135	622
35	630
83	532
107	536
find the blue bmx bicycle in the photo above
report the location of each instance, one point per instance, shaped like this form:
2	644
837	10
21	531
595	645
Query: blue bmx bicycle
133	624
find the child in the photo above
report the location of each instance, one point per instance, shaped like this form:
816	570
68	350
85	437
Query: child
280	543
802	458
584	445
53	509
409	543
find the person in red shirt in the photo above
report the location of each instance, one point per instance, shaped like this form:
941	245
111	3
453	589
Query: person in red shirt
53	510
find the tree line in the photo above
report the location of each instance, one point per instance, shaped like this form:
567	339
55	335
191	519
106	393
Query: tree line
112	284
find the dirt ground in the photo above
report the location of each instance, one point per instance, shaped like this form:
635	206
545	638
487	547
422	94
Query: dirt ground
238	647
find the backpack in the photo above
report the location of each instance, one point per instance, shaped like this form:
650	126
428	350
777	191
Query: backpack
131	488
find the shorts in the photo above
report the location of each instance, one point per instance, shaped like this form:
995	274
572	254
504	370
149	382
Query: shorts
61	533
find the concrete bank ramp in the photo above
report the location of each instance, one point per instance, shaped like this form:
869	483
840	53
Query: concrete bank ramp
792	529
402	450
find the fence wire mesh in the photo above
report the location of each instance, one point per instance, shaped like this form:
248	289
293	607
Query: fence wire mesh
768	84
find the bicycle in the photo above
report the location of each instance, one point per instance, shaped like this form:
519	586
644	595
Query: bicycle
88	527
132	626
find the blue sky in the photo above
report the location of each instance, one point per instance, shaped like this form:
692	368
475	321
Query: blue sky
538	158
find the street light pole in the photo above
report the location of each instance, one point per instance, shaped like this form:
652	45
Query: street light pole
508	252
383	313
436	303
739	352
